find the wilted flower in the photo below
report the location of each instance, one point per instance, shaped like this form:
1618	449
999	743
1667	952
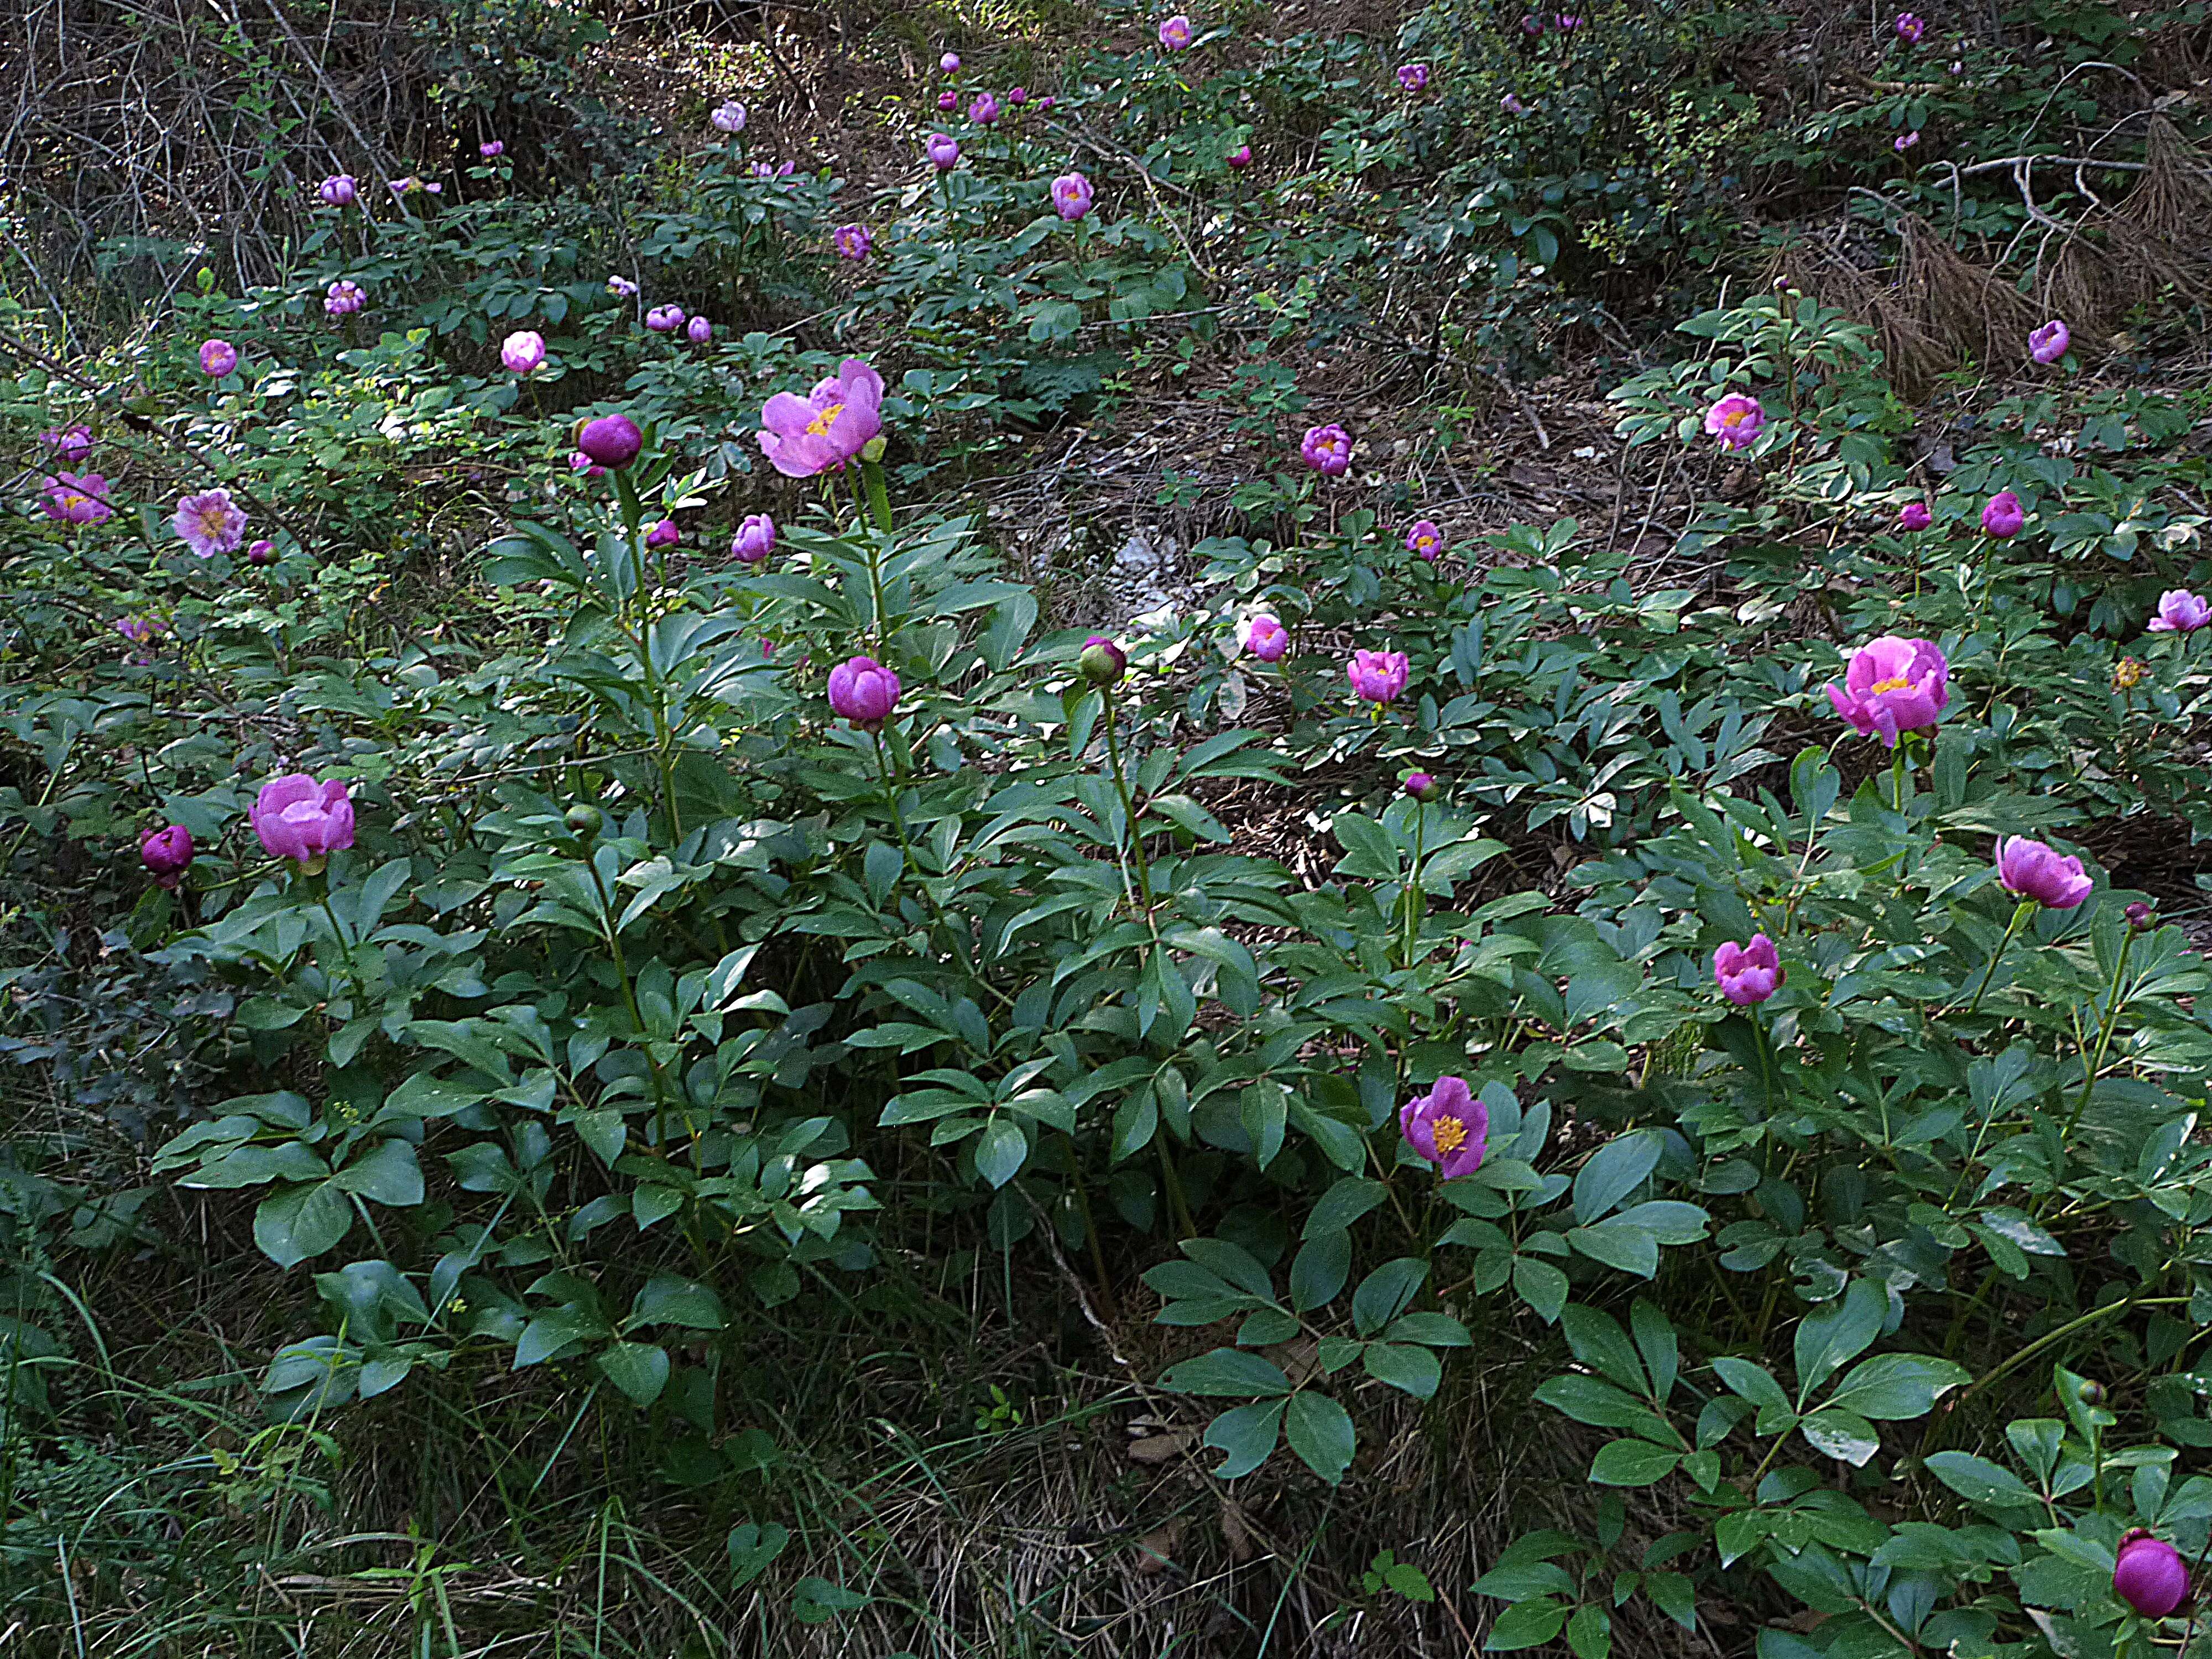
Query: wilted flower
1425	540
343	298
2180	611
1448	1127
1909	28
983	110
2127	673
611	440
2048	344
1328	450
1914	515
828	427
71	443
1892	685
303	820
217	357
1421	786
622	288
863	692
1748	974
1512	104
2149	1575
1413	76
943	154
664	534
665	319
167	853
729	117
949	63
210	522
491	147
2031	870
76	498
1905	141
1071	196
1263	635
948	101
523	351
1241	156
755	540
339	190
852	241
1175	33
1377	677
2003	516
1736	420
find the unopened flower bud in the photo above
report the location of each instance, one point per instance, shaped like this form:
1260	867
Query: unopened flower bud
2141	916
586	820
2090	1393
1421	786
873	449
1103	662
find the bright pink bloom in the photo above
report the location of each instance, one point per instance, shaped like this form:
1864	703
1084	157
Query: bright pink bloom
2050	342
611	440
72	443
1175	32
1567	22
1413	76
1046	101
1420	785
261	552
949	63
983	111
492	148
622	288
2149	1575
1103	660
1071	196
2005	515
1328	450
852	241
2179	611
76	498
139	630
1748	974
1266	638
665	319
339	190
523	352
1892	685
1905	141
1448	1127
948	101
1909	28
1914	515
863	692
217	357
664	534
1425	540
943	154
756	539
729	117
166	852
1017	96
303	820
1241	157
828	427
210	522
698	331
1379	677
343	298
1736	420
2031	870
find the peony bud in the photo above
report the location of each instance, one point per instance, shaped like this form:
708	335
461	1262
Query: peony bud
1103	662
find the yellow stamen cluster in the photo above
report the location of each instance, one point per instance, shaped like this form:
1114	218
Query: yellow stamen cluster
1450	1134
1900	684
820	425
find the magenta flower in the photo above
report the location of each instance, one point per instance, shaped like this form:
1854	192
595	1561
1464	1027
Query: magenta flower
2003	516
943	154
1413	76
1017	96
76	498
665	319
1448	1127
983	111
664	534
139	630
1424	540
1905	141
698	331
1567	22
729	117
523	352
1909	28
828	427
344	298
611	440
1379	677
1046	101
1914	515
580	462
1266	638
167	853
1892	685
71	443
261	552
2179	611
2048	344
2029	869
865	692
217	358
1328	450
1736	420
756	539
300	819
852	241
1748	974
622	288
1175	32
339	190
1421	786
1512	104
948	101
210	522
949	63
1241	157
2149	1575
1071	196
491	149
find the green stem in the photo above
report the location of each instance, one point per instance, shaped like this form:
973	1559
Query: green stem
2111	1017
1136	841
1414	887
2020	913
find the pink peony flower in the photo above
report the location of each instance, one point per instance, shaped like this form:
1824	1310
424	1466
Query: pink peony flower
139	630
1914	515
1175	32
1748	974
611	440
1413	76
947	101
491	149
865	692
949	63
2003	516
1892	685
2179	611
1379	677
1448	1127
828	427
1241	157
852	241
1905	141
664	534
1566	22
2031	870
303	820
76	498
699	330
1736	420
2050	342
622	288
210	522
167	853
217	357
756	539
2149	1575
1424	540
1266	638
71	443
1017	96
665	319
344	298
1328	450
1071	196
1046	101
339	190
983	111
729	117
1909	28
943	154
523	352
1512	104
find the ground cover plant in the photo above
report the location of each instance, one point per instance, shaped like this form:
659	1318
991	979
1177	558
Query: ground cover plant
1108	833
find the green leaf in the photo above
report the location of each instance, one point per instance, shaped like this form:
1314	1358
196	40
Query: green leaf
1247	1434
671	1299
1318	1272
1526	1625
638	1368
1841	1435
1404	1365
1982	1483
1830	1337
1598	1341
1589	1632
1619	1243
389	1174
752	1549
1897	1385
1000	1152
1227	1371
1631	1463
1541	1284
1614	1172
1320	1431
1384	1294
295	1223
